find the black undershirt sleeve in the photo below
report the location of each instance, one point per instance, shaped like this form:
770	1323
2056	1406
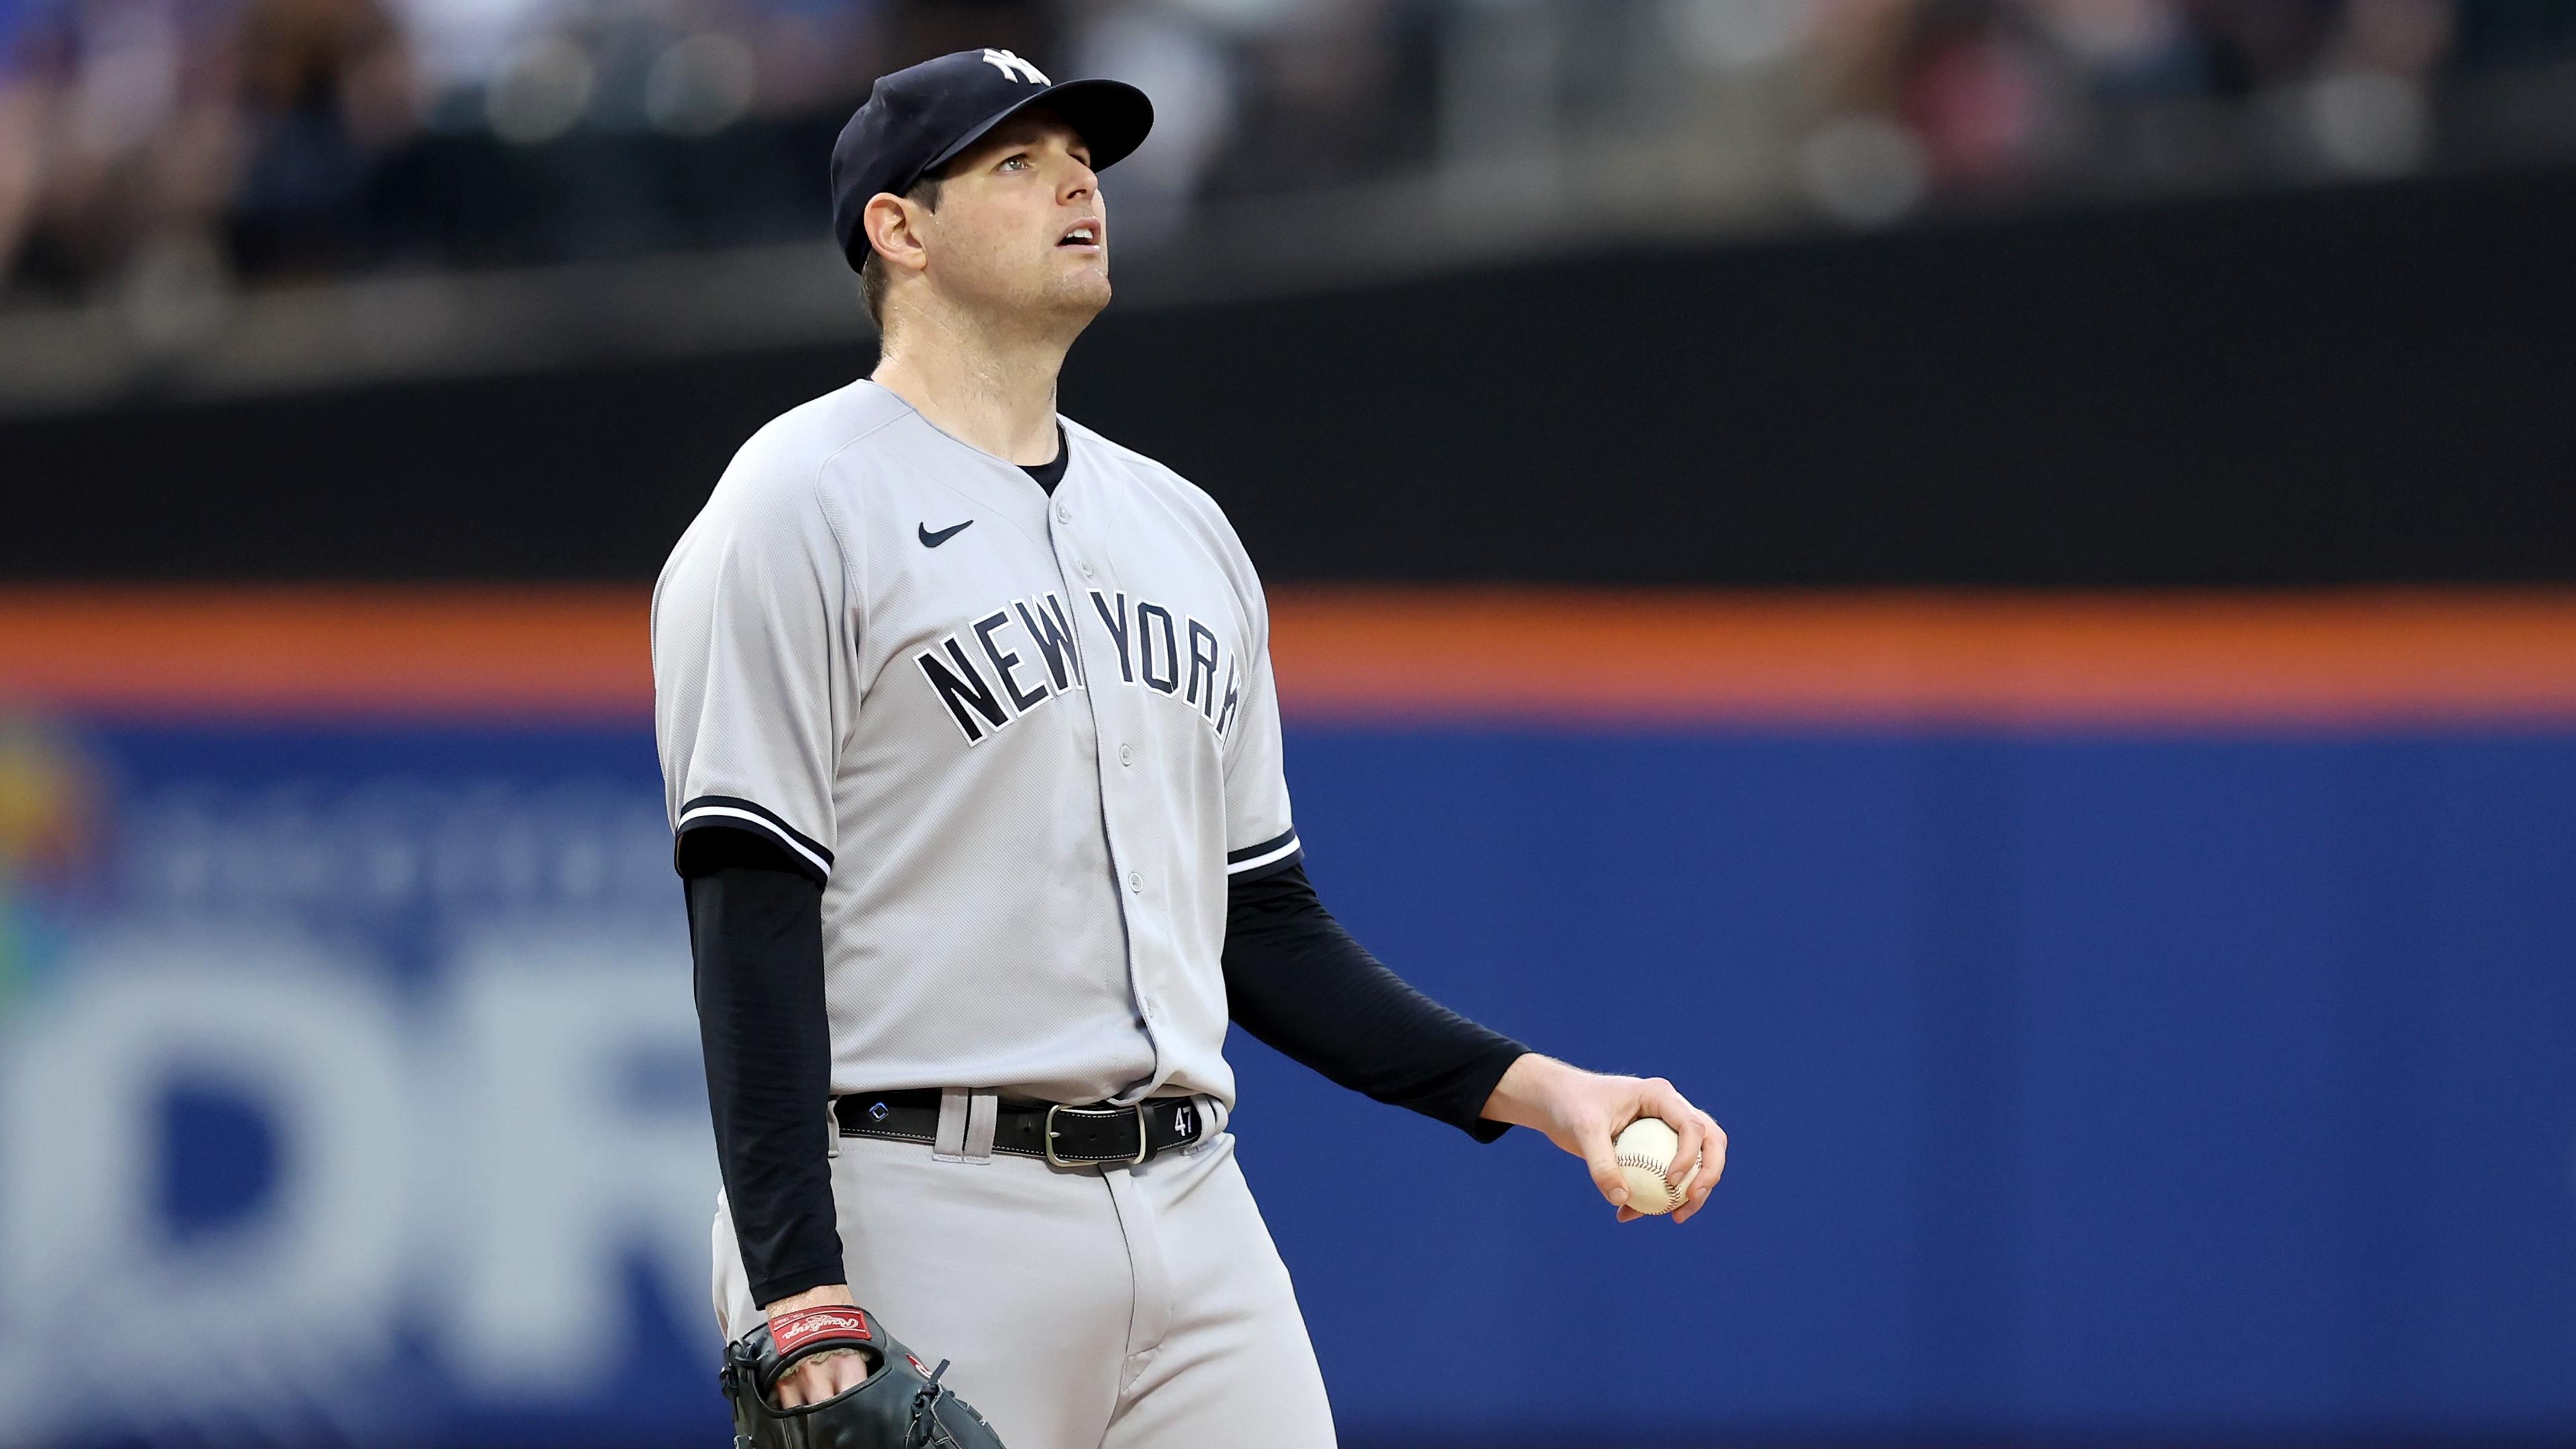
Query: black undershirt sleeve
756	933
1297	981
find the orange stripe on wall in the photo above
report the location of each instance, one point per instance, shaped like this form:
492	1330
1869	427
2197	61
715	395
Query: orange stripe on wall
557	652
2011	659
1567	656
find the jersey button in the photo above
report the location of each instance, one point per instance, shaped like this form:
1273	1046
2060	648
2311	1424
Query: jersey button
1063	514
1136	881
1084	565
1126	754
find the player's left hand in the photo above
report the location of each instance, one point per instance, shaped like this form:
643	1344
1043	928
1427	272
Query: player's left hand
1583	1113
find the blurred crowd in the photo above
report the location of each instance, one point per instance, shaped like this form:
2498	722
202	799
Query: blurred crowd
283	138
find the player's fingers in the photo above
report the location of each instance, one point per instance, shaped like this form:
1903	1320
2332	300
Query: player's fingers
828	1374
1660	1099
1690	1139
1593	1137
817	1378
1712	1163
1629	1215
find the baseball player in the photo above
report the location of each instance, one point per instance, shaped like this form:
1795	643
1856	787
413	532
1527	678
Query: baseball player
972	751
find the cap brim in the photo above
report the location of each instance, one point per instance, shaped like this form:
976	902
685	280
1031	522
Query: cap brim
1112	118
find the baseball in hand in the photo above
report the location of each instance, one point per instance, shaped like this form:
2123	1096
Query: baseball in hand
1646	1147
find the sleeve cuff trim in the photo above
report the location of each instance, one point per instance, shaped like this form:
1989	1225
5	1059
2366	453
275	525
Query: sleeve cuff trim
727	810
1269	852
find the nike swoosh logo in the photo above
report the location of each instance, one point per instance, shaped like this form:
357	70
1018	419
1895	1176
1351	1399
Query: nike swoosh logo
934	540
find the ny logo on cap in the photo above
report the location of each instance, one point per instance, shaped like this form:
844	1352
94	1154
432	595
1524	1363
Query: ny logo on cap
1016	68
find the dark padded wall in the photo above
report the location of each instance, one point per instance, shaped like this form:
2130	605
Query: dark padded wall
2355	385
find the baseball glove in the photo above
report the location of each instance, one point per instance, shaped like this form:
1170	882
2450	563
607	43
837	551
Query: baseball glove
901	1405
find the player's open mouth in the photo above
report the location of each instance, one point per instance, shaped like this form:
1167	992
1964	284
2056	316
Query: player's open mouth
1082	234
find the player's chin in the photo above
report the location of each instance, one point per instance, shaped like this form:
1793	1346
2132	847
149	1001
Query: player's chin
1083	289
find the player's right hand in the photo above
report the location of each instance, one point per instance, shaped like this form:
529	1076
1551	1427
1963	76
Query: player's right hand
818	1378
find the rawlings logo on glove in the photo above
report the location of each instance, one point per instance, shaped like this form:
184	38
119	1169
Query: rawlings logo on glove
900	1405
794	1332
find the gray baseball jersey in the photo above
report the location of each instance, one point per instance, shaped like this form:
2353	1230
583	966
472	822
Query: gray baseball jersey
1022	741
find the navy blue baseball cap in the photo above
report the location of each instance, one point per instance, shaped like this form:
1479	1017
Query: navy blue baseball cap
919	118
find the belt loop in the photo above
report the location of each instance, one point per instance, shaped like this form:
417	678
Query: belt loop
948	1144
832	1128
983	1113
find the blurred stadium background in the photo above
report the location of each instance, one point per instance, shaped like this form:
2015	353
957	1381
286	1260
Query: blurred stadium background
1988	584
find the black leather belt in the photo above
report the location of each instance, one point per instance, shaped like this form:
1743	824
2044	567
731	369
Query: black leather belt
1066	1136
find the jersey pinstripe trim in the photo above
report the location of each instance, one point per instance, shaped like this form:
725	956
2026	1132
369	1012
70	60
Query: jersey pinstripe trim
1279	850
736	813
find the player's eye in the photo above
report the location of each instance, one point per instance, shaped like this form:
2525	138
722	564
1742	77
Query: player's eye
1020	161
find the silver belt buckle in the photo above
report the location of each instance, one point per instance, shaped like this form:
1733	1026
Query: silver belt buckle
1143	1143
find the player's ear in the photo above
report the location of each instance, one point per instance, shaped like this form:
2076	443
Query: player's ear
893	228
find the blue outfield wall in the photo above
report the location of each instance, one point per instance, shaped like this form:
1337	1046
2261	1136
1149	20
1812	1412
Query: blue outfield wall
2084	1086
2080	1086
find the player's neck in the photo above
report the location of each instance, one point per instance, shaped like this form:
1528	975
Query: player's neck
988	389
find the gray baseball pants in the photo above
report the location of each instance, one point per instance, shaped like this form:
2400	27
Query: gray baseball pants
1083	1307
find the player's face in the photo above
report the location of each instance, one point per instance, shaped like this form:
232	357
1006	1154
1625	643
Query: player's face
1020	224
